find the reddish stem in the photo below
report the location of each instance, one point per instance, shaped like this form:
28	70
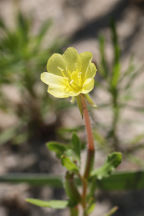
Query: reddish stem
87	124
90	152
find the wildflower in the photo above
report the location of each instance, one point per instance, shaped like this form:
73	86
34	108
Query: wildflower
69	74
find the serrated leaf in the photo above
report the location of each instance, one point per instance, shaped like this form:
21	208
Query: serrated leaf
55	204
113	160
76	145
68	164
56	147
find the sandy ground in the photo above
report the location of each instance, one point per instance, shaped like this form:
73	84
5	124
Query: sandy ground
81	21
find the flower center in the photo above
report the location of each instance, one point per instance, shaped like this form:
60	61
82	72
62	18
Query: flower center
75	80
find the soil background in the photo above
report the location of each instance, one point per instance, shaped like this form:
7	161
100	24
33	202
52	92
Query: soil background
81	21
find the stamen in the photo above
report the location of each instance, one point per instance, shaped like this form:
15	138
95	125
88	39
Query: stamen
71	82
62	71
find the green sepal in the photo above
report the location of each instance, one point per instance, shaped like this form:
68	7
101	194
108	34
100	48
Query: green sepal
90	100
55	204
113	160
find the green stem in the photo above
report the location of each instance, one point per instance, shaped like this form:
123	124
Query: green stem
115	119
74	211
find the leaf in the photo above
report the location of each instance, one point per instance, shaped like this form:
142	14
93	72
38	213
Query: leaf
99	138
118	181
116	50
115	42
43	30
121	181
56	147
24	26
33	179
76	145
63	131
104	67
133	77
55	204
112	211
90	206
71	189
137	139
113	160
68	164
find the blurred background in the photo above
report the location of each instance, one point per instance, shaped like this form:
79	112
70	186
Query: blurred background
30	32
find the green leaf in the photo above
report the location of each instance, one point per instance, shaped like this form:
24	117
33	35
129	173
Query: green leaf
99	138
133	76
43	30
116	50
112	211
116	75
113	160
121	181
68	164
63	131
76	145
103	67
71	189
118	181
24	26
137	139
32	179
55	204
91	206
115	42
57	147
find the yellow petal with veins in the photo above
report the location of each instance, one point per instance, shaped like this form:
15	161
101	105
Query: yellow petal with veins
72	59
56	64
53	80
88	86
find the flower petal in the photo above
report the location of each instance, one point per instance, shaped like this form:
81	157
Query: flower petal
91	71
72	59
56	64
85	60
58	91
88	86
53	80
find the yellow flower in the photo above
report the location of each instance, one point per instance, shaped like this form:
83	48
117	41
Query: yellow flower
69	74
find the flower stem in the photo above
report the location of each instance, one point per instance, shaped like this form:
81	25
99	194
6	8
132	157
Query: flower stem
87	124
90	153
